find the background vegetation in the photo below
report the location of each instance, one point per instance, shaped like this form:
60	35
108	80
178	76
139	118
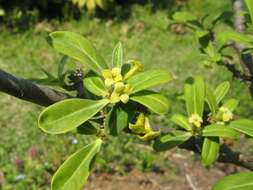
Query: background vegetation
29	157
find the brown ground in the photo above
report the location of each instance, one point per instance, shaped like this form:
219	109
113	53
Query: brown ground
185	174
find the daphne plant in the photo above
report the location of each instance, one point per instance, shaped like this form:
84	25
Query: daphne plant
209	118
117	100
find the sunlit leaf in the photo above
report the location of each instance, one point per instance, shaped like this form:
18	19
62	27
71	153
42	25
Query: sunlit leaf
210	150
66	115
95	84
74	172
117	56
249	4
221	91
152	100
182	121
79	48
149	79
194	93
216	130
171	140
211	100
239	181
243	125
184	17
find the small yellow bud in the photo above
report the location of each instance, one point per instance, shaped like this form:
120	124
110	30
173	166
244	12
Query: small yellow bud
119	87
116	71
115	98
107	73
128	89
195	120
124	98
109	82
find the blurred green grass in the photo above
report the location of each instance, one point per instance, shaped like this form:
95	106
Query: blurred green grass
145	37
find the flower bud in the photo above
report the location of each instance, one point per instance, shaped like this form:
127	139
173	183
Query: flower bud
119	87
195	120
114	98
124	98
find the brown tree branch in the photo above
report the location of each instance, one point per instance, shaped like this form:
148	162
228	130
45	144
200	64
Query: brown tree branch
227	155
26	90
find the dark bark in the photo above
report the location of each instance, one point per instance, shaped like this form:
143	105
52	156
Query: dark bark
26	90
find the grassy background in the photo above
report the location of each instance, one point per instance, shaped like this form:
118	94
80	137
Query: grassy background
145	37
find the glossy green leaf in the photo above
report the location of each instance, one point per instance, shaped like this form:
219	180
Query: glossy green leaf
249	4
148	79
184	16
171	140
221	91
74	172
182	121
231	104
152	100
194	93
210	150
243	125
119	118
211	100
117	56
216	130
79	48
66	115
95	84
239	181
225	37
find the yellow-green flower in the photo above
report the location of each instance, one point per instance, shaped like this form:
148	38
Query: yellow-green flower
120	93
195	120
137	67
143	129
112	76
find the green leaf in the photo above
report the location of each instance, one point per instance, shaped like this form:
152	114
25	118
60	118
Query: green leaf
210	150
239	181
227	36
249	4
194	93
216	130
184	17
171	140
221	91
152	100
117	56
119	118
148	79
243	125
182	121
79	48
95	84
61	66
211	100
74	172
231	104
66	115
